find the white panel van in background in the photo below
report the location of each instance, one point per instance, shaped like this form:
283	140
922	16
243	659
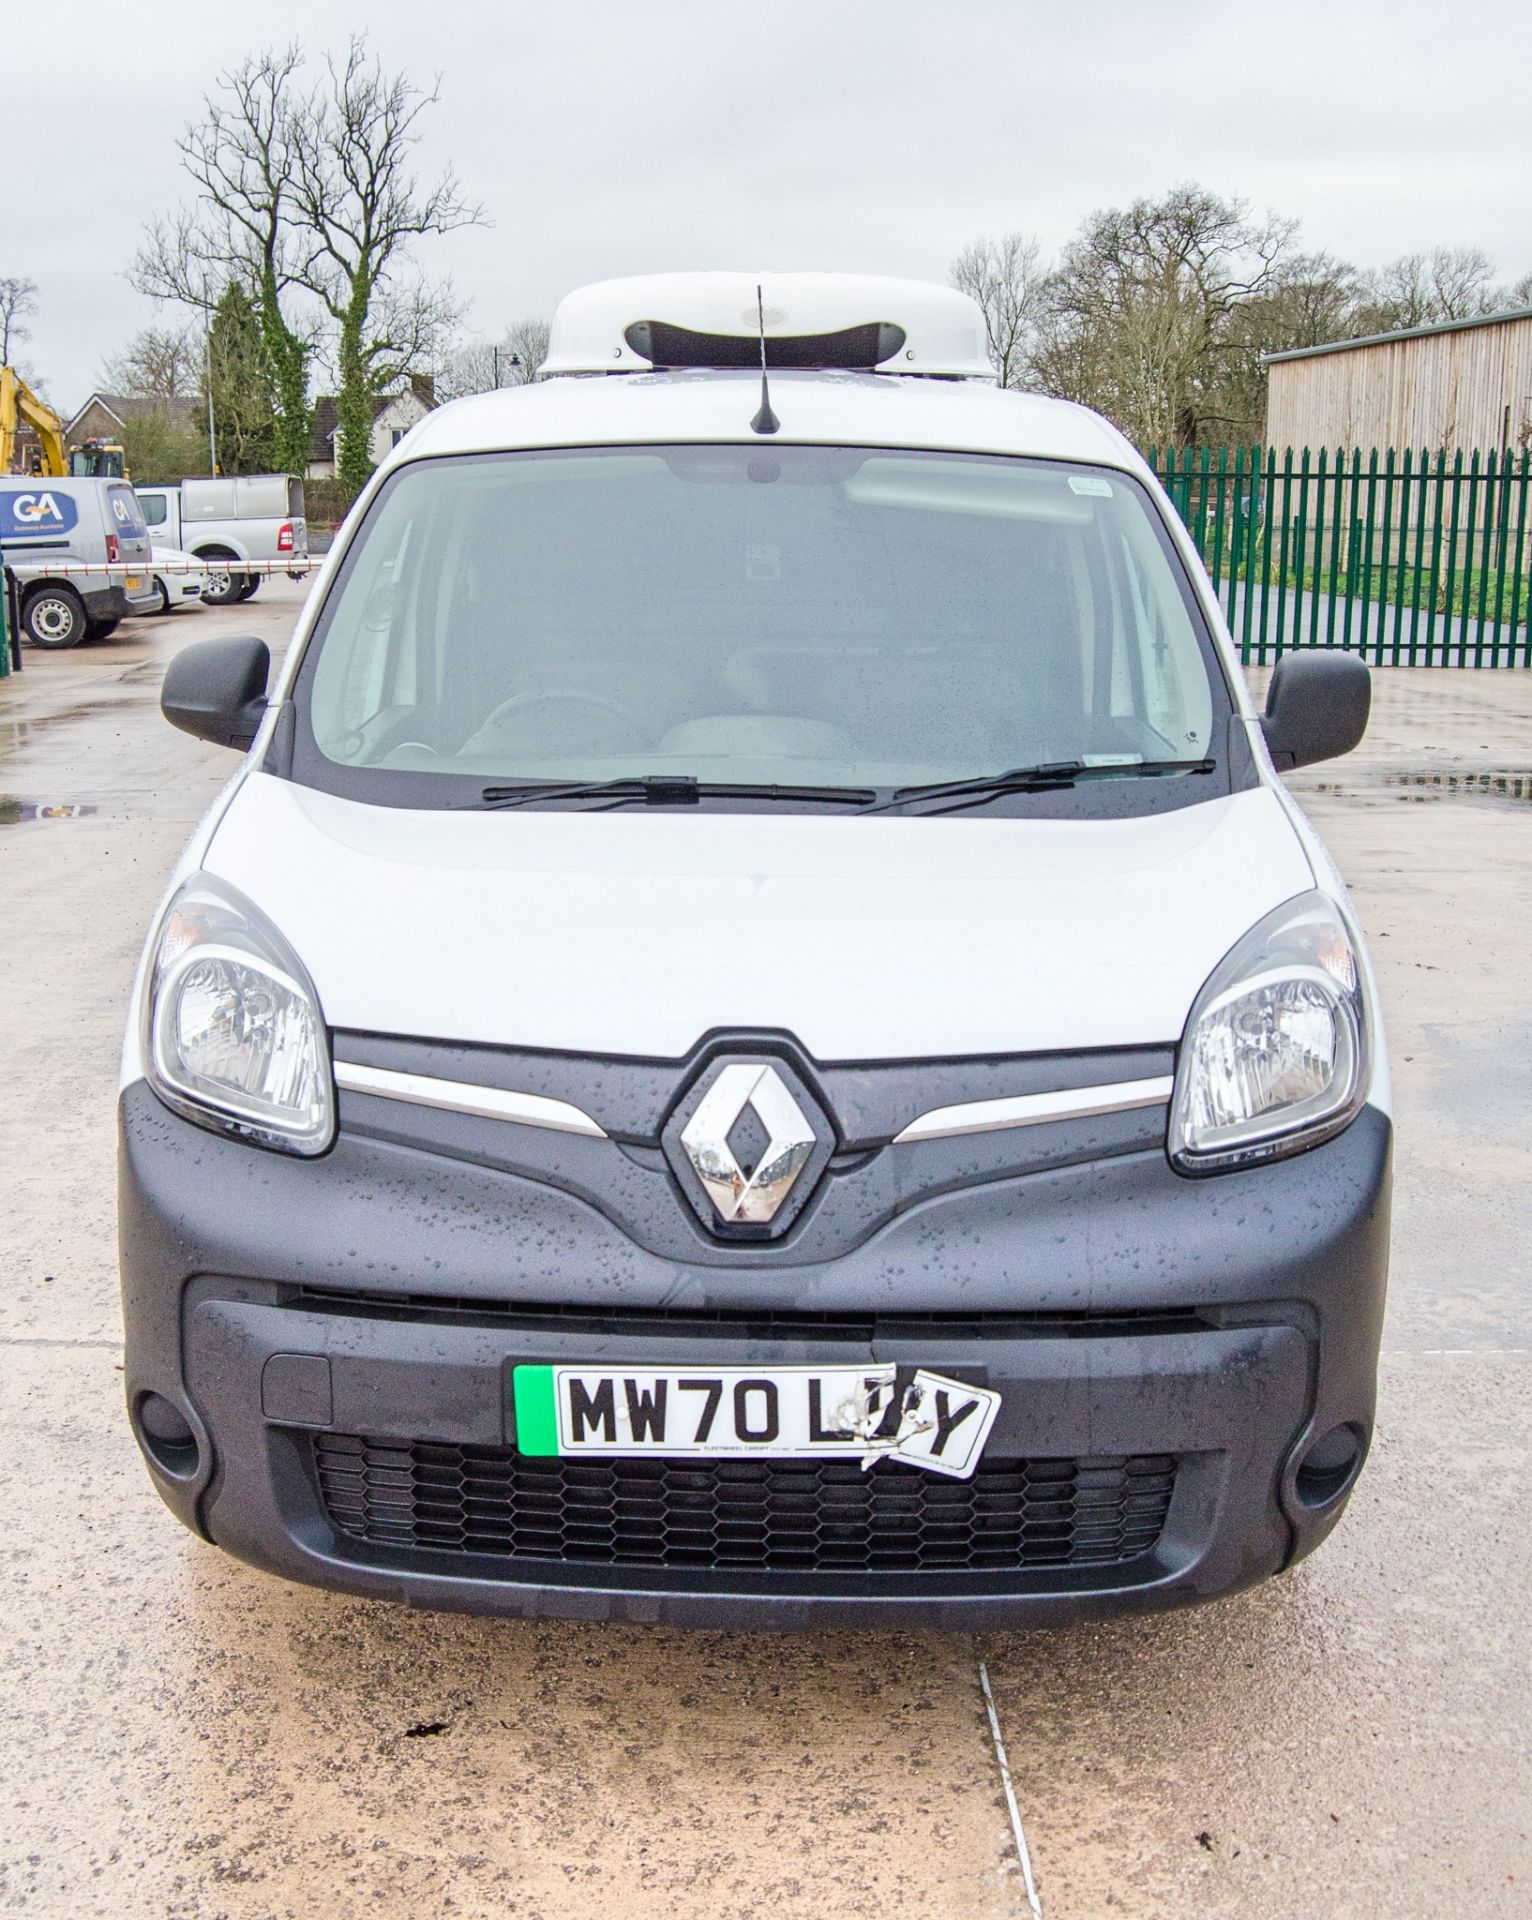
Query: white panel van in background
46	524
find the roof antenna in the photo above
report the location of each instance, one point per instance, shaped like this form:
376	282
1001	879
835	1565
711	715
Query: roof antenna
765	421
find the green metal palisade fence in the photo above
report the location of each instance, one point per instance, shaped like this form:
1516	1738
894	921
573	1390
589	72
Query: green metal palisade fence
1410	559
6	641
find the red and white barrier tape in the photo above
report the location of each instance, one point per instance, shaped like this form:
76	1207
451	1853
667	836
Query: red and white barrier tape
295	568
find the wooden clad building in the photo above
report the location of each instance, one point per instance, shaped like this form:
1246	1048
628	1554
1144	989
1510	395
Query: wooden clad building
1466	384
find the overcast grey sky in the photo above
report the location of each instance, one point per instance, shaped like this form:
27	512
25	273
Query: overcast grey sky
615	138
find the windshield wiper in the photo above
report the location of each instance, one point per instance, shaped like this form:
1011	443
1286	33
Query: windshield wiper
1048	774
667	790
657	788
685	789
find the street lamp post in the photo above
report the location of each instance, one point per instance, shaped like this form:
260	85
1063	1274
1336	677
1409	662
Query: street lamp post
212	435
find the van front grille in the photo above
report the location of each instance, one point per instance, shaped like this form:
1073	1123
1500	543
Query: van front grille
788	1515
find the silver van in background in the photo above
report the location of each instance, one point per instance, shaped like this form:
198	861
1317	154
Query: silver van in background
247	516
46	523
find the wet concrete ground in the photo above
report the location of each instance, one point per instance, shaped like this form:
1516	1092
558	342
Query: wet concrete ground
183	1737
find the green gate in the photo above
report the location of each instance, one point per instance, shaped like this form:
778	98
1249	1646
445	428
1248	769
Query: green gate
1412	559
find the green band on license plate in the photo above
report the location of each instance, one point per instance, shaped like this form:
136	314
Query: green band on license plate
537	1419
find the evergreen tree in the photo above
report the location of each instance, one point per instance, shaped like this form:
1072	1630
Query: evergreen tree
244	391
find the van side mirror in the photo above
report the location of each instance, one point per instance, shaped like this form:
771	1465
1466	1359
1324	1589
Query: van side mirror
1316	707
216	689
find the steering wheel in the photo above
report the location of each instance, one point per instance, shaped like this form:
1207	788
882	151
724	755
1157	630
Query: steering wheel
520	701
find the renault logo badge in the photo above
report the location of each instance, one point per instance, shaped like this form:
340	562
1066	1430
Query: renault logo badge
748	1143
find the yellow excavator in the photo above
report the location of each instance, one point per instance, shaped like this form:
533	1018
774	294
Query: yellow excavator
21	407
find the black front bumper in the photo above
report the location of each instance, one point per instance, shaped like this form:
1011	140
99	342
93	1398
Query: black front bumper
376	1299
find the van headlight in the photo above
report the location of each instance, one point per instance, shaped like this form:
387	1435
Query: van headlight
1274	1057
235	1039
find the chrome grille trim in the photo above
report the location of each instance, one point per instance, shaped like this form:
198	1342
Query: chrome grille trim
460	1096
1030	1109
941	1123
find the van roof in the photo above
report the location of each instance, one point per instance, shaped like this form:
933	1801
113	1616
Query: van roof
822	408
69	482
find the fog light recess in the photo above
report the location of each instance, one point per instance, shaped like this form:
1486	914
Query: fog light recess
1330	1465
167	1435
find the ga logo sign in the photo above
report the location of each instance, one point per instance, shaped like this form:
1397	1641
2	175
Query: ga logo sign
36	512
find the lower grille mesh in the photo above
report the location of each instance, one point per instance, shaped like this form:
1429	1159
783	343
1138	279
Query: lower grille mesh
788	1515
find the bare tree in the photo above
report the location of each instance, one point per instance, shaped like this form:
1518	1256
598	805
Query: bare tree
240	158
1425	289
18	299
1144	313
360	208
1008	279
1462	282
1312	298
528	343
160	363
1309	299
480	366
412	320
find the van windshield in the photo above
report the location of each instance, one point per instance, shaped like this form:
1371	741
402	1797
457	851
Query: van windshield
787	616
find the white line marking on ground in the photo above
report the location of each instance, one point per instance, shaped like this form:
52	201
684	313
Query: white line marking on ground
1010	1794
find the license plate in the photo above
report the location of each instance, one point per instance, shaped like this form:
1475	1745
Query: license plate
869	1413
133	582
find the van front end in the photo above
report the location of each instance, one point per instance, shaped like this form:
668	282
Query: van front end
324	1354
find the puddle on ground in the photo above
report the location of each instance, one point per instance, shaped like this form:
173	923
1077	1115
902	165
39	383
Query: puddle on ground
1510	787
20	813
17	735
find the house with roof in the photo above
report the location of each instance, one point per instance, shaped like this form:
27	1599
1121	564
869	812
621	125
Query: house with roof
393	416
104	415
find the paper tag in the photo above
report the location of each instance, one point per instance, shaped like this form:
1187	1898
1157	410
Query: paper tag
1088	483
